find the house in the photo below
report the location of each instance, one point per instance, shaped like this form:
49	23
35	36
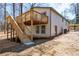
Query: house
39	22
56	22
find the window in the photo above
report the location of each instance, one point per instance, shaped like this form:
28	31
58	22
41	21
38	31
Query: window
62	20
44	13
37	29
55	29
43	29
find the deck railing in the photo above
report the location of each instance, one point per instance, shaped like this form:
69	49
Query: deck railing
33	16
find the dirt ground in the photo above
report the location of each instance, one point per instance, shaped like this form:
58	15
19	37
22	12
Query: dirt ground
63	45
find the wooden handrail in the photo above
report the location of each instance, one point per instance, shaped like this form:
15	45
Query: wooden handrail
22	24
15	26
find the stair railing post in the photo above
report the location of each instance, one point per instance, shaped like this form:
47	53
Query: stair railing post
31	18
7	30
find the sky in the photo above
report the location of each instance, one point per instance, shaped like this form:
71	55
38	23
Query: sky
59	7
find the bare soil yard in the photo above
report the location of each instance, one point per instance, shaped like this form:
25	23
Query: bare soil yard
63	45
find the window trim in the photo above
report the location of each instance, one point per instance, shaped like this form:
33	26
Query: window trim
43	29
37	29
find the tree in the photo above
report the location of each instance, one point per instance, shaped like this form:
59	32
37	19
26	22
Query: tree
73	8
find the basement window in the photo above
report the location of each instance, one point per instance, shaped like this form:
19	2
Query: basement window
37	29
43	29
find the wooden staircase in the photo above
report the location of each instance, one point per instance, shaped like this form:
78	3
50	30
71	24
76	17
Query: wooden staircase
23	37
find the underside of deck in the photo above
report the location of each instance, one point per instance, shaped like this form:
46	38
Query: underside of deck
35	22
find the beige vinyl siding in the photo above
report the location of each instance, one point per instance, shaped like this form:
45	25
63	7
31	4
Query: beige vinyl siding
42	10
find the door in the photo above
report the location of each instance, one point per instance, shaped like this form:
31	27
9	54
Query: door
55	29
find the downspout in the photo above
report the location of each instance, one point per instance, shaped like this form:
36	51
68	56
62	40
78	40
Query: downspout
62	26
50	23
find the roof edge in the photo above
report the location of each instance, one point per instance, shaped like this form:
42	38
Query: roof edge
54	11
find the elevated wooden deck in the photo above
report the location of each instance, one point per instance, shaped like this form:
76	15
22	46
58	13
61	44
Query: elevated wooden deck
34	16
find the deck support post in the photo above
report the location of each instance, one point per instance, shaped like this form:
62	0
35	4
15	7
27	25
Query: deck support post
11	34
7	30
31	14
